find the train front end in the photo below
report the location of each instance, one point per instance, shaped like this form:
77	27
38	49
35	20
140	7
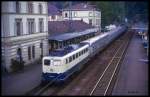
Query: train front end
52	69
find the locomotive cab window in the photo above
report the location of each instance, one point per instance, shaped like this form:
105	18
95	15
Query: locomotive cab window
47	62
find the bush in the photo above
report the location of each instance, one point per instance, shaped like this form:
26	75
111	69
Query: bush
16	65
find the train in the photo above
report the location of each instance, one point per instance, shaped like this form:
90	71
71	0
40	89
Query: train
60	64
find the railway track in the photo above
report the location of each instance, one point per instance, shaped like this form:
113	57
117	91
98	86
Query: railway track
104	74
104	82
50	87
40	89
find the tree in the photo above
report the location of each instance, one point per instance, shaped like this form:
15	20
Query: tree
137	11
111	12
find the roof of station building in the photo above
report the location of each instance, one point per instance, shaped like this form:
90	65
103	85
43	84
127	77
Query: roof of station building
67	36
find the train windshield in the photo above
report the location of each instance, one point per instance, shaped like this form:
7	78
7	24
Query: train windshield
47	62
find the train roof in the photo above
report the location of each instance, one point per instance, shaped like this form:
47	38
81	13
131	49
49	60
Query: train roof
68	49
94	39
67	36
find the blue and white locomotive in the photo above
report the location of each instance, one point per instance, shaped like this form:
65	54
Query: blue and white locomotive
62	63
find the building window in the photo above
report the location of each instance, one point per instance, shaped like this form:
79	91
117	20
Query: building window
41	25
90	13
66	15
40	8
33	51
41	46
29	53
53	17
97	21
19	54
90	21
30	7
17	7
19	27
75	14
31	26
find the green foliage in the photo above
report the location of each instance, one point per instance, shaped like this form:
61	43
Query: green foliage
16	65
116	11
111	12
137	10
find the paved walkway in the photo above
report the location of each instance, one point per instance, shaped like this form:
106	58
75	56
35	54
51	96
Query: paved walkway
133	75
21	82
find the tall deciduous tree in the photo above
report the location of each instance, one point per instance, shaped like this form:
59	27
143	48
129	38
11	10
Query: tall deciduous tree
111	12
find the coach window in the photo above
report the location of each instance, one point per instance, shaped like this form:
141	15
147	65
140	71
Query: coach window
66	15
66	60
70	59
82	52
79	53
86	49
76	55
73	57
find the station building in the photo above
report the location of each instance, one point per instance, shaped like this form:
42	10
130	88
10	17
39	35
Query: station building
24	31
85	12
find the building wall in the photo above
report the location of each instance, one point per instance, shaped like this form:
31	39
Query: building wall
95	16
10	7
11	42
57	18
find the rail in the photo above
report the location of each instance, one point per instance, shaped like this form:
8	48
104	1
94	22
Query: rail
106	78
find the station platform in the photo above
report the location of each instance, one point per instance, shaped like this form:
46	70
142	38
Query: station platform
133	74
14	84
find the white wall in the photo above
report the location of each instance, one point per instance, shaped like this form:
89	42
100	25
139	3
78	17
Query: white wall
85	15
5	25
9	24
12	18
4	6
11	7
57	18
8	20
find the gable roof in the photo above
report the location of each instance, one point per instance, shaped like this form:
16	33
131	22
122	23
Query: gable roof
57	27
53	10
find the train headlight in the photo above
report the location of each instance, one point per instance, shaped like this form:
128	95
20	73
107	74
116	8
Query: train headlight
51	70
